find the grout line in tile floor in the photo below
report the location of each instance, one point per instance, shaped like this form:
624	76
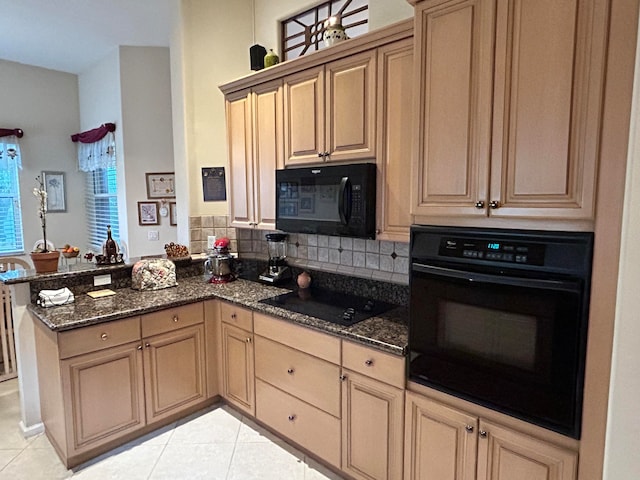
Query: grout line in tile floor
216	443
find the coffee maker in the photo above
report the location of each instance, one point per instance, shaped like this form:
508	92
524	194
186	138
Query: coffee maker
277	270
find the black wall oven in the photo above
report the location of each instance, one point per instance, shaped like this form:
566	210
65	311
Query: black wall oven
499	317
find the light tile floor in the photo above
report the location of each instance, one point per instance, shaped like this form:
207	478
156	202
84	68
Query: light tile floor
216	443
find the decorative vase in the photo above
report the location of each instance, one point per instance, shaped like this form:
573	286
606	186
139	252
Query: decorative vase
271	59
46	262
334	32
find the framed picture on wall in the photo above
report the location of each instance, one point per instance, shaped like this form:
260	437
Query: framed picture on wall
173	214
148	213
161	185
55	187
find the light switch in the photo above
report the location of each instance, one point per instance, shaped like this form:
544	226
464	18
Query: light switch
153	235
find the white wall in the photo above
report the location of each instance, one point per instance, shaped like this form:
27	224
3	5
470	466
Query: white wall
44	103
145	88
132	88
623	424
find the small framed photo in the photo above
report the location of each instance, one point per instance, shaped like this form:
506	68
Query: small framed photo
307	205
173	214
148	213
55	187
161	185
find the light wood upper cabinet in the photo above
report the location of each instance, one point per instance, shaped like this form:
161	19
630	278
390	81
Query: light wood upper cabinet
254	137
329	111
372	427
515	133
394	149
449	444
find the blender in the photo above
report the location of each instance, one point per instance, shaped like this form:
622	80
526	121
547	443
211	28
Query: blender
277	270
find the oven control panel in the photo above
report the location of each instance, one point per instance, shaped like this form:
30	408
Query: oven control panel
493	250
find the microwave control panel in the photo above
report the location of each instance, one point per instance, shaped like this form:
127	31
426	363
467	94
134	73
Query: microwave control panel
493	250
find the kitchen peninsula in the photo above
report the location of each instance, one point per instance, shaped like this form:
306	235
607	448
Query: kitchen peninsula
116	367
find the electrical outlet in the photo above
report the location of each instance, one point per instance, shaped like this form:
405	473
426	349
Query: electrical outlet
153	235
102	280
211	240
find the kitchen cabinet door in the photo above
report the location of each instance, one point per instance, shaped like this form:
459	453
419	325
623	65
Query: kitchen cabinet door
304	128
394	150
549	66
350	98
454	52
504	454
174	365
239	141
372	426
267	153
105	393
440	441
238	368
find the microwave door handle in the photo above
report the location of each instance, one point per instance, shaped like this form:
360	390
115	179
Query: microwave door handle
498	279
344	207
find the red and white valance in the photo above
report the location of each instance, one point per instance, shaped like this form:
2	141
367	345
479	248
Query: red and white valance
96	148
10	146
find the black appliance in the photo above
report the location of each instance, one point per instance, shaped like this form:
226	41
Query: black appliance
499	317
336	307
328	200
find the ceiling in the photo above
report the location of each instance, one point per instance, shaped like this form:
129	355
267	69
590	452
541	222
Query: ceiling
72	35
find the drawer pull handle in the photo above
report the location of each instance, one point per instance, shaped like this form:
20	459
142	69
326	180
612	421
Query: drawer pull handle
234	316
483	434
104	336
292	418
368	362
469	428
290	371
175	319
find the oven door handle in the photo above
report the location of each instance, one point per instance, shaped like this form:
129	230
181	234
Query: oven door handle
498	279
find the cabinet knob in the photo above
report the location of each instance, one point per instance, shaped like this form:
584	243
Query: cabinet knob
147	345
175	319
234	316
104	336
494	204
480	204
292	418
469	428
368	362
139	347
290	371
482	434
343	378
320	154
248	339
326	156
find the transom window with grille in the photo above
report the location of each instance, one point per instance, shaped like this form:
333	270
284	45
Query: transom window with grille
302	33
101	197
11	238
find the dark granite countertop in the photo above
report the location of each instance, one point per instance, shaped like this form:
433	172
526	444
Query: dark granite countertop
387	332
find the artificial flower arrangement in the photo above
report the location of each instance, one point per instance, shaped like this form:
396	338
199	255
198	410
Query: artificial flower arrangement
41	194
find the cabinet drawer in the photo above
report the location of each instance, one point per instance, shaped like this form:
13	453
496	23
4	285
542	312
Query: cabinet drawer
97	337
172	319
375	364
302	338
303	376
238	316
309	427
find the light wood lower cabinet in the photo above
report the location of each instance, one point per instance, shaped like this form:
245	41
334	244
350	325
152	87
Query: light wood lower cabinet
237	367
372	427
444	443
104	384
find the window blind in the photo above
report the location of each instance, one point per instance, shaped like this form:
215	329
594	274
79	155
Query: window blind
11	239
102	206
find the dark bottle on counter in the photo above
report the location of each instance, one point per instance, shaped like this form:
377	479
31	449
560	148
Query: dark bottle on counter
110	247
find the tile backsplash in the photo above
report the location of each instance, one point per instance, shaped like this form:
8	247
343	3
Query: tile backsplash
376	259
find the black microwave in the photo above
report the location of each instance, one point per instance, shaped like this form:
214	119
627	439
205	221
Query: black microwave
337	200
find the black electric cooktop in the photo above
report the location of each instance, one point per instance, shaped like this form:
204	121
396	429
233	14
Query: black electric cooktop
336	307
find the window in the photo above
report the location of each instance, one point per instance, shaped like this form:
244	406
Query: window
11	239
102	206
